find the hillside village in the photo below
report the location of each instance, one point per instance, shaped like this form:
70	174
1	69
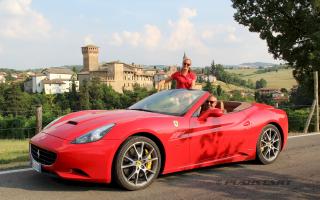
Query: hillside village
123	76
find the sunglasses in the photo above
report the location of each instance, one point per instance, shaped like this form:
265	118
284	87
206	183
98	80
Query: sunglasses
188	64
211	102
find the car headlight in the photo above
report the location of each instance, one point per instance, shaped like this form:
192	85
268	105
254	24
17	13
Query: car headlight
50	124
94	135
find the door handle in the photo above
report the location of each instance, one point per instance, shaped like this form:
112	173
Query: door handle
247	123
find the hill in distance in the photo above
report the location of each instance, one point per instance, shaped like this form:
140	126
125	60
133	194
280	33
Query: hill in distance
257	64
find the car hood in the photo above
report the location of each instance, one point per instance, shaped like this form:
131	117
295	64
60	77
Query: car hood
76	124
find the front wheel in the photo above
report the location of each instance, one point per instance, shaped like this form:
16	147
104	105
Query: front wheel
269	144
138	163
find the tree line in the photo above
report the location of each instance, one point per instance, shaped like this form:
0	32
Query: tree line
17	108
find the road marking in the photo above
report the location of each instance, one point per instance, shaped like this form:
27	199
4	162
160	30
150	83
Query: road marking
15	171
304	135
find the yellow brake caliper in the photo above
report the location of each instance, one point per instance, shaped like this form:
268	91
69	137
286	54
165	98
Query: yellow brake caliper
149	164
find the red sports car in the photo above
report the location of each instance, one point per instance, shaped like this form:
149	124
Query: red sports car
166	132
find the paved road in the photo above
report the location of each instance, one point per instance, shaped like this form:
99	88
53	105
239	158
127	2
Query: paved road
295	175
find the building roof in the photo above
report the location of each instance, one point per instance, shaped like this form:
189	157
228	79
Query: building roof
53	81
161	73
38	74
58	70
91	45
84	73
127	69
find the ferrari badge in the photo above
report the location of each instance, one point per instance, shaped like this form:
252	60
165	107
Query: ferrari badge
175	123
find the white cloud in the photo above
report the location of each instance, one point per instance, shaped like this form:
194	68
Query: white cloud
132	38
201	41
188	13
149	37
116	39
152	36
88	40
232	38
184	34
232	35
207	34
224	33
19	20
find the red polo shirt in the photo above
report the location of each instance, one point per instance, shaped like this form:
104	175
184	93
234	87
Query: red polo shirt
184	81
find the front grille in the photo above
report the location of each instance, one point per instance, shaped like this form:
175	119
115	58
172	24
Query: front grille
43	156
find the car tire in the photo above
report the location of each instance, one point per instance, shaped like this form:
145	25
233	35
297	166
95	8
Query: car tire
137	163
269	144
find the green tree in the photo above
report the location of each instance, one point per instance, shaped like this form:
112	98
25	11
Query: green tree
84	96
210	88
213	69
111	98
73	96
8	77
16	101
96	94
63	101
261	83
219	90
264	98
291	30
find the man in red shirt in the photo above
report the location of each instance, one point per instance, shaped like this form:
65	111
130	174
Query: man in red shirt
185	78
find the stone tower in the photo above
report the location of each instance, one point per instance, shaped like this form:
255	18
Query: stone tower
90	58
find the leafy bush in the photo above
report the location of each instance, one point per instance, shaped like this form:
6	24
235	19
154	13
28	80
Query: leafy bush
297	119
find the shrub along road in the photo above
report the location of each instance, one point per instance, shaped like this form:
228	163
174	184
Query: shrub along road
295	175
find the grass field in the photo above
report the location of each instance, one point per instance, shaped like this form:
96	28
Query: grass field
281	79
228	87
13	153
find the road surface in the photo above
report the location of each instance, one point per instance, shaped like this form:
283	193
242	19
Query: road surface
295	175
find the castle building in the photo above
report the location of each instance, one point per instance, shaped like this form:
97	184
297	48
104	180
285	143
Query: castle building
120	76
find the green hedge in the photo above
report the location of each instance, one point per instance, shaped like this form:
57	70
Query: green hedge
297	119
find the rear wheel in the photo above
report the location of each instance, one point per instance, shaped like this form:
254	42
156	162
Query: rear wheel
137	163
269	144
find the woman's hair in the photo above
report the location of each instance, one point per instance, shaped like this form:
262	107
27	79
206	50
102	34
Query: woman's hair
189	70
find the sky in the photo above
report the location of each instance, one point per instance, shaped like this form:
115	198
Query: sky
47	33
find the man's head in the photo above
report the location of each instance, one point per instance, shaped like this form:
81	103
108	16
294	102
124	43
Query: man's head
212	101
186	64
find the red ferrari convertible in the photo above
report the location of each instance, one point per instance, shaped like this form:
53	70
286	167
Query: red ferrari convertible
166	132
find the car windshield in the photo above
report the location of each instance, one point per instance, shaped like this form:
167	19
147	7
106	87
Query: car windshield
172	102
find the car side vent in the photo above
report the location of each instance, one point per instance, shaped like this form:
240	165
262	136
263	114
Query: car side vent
72	122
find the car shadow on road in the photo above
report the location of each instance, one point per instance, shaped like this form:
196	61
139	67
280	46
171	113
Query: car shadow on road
240	181
39	182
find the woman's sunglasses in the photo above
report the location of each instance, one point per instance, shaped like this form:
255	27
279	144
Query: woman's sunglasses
188	64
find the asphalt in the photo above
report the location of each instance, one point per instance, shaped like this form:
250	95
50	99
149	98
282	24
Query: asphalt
295	175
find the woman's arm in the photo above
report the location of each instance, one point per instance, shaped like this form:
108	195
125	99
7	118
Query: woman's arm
193	84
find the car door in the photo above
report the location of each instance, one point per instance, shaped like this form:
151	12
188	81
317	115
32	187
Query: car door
217	137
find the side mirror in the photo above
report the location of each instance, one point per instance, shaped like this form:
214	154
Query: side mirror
216	112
